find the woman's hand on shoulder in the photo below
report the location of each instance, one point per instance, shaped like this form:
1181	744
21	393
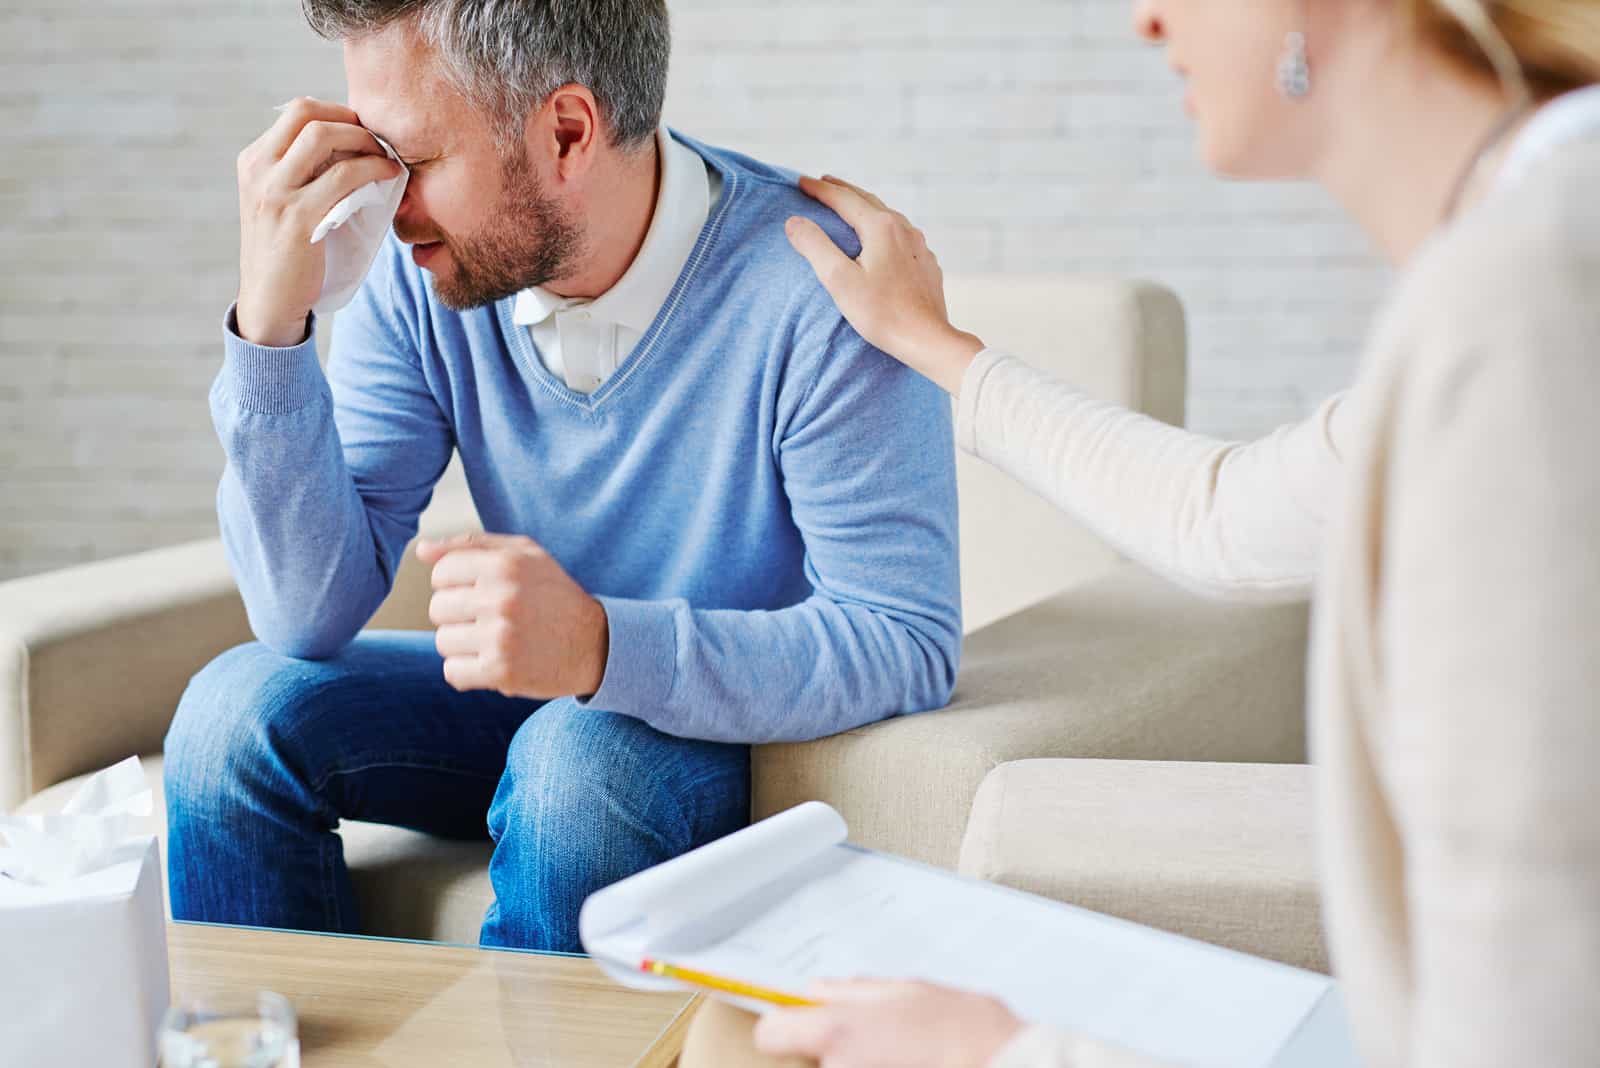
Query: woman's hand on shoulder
891	1024
893	293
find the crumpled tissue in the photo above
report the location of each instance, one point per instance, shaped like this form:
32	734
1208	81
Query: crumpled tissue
353	231
83	933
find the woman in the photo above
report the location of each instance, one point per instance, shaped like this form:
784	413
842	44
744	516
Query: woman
1448	505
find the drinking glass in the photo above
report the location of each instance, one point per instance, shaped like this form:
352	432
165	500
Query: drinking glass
243	1031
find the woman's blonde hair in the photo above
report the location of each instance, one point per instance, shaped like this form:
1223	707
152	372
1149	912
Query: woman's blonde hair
1542	47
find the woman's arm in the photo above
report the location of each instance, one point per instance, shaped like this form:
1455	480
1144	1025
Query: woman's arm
1241	521
1231	520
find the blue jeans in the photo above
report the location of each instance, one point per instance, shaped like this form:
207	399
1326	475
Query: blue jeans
267	754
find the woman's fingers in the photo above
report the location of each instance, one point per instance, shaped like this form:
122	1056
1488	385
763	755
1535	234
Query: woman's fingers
867	195
860	989
847	203
891	1024
795	1032
893	292
829	262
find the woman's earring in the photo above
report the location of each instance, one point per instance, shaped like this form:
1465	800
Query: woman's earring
1294	70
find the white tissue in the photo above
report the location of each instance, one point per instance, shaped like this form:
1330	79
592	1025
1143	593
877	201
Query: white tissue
87	835
353	231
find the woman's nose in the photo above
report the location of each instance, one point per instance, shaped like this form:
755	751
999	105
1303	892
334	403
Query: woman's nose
1147	21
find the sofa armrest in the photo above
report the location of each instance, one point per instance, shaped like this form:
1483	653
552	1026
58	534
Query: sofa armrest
1123	666
94	658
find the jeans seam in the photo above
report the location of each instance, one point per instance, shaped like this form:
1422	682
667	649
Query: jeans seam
334	910
330	884
322	782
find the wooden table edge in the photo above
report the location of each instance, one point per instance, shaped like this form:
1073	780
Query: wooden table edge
665	1051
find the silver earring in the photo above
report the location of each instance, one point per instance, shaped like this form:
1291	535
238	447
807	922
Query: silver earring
1294	70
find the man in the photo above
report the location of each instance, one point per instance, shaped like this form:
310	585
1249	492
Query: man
724	518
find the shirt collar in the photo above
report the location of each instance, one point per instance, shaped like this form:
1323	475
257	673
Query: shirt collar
682	205
1573	116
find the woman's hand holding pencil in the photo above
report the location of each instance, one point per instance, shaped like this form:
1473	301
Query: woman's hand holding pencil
707	981
867	1023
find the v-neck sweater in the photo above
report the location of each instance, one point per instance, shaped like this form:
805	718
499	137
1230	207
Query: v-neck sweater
764	504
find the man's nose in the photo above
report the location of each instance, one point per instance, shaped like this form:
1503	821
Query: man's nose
1147	21
409	215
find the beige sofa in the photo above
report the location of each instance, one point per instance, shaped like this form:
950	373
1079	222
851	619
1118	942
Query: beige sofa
1071	653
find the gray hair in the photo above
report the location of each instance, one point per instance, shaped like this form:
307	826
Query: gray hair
508	56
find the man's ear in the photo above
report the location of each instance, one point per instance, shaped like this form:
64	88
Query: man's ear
566	132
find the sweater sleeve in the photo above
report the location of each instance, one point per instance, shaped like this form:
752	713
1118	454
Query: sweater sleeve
324	482
868	464
1489	640
1240	521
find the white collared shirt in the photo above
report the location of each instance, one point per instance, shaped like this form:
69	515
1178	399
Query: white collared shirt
582	341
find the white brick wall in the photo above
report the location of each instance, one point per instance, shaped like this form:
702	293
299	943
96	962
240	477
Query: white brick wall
1023	134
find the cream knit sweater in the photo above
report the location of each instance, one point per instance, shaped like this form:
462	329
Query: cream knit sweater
1449	509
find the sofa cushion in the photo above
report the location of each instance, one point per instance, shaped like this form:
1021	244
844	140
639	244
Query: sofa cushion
1125	666
408	884
1218	852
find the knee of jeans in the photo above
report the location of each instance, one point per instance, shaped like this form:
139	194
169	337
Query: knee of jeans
568	761
234	715
571	769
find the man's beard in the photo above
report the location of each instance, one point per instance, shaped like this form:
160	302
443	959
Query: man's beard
528	241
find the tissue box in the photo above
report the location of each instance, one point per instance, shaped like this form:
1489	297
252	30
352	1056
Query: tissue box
83	965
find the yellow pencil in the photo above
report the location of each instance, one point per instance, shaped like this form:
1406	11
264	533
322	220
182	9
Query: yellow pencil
726	986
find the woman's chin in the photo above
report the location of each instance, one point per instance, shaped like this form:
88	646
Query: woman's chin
1254	151
1230	159
1217	152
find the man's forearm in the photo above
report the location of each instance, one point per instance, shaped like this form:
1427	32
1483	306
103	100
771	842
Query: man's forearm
814	669
297	533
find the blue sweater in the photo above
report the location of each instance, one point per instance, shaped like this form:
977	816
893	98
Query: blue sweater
764	504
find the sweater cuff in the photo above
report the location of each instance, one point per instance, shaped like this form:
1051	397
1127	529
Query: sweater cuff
271	381
641	658
967	400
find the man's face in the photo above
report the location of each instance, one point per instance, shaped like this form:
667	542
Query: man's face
476	215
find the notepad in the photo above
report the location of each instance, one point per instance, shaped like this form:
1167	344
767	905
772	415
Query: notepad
789	900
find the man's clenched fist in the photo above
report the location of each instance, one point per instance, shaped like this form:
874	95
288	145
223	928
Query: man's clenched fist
511	620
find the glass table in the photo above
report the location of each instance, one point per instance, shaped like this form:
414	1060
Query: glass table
370	1002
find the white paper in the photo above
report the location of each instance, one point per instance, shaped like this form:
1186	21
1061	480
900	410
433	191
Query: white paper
704	883
353	231
843	911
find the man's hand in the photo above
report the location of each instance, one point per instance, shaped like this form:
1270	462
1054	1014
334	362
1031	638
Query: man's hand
890	1024
314	156
510	619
